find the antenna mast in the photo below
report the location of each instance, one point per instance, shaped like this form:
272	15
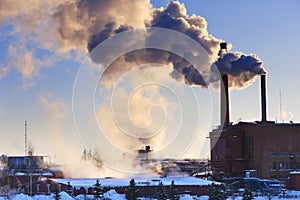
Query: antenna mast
26	150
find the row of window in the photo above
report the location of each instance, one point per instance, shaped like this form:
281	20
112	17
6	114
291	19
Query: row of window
280	176
284	165
284	154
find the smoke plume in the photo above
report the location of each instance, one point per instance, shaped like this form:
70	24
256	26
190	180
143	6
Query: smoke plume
242	69
61	27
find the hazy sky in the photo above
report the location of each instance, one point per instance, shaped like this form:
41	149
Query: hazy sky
44	45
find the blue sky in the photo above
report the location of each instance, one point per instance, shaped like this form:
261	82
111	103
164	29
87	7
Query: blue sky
270	29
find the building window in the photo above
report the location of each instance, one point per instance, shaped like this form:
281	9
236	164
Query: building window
284	166
297	165
48	189
283	177
217	157
271	154
273	166
273	177
283	154
297	154
38	188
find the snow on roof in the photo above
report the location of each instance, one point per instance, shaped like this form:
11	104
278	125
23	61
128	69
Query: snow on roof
47	174
54	168
20	174
295	172
33	174
120	182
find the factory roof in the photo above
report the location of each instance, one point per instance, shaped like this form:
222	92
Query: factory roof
269	123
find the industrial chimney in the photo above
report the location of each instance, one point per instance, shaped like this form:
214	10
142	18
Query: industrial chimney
224	93
224	100
263	99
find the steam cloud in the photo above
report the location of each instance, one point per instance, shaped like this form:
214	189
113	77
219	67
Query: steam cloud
62	27
242	68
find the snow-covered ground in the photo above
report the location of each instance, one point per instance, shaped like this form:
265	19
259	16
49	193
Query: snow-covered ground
112	194
140	181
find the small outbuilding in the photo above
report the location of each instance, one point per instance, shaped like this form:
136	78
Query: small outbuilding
295	180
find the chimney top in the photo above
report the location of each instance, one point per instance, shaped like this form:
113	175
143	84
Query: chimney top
223	45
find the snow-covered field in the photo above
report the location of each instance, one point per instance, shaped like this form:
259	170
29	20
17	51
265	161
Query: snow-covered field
140	181
291	195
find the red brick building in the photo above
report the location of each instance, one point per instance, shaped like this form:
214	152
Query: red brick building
272	149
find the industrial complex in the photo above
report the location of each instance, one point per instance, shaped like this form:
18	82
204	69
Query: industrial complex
268	148
263	149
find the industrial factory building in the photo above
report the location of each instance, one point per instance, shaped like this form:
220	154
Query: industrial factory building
28	174
270	149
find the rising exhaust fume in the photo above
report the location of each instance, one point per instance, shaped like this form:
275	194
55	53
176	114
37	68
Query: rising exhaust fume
263	99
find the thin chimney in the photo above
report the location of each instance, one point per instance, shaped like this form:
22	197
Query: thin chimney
224	93
224	100
263	99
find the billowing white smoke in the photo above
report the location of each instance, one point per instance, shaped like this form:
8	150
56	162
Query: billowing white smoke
242	69
80	25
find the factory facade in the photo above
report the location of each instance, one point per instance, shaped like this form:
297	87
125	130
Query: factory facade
273	150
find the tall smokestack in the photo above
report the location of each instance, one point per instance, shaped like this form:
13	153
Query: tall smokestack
263	99
224	100
224	91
